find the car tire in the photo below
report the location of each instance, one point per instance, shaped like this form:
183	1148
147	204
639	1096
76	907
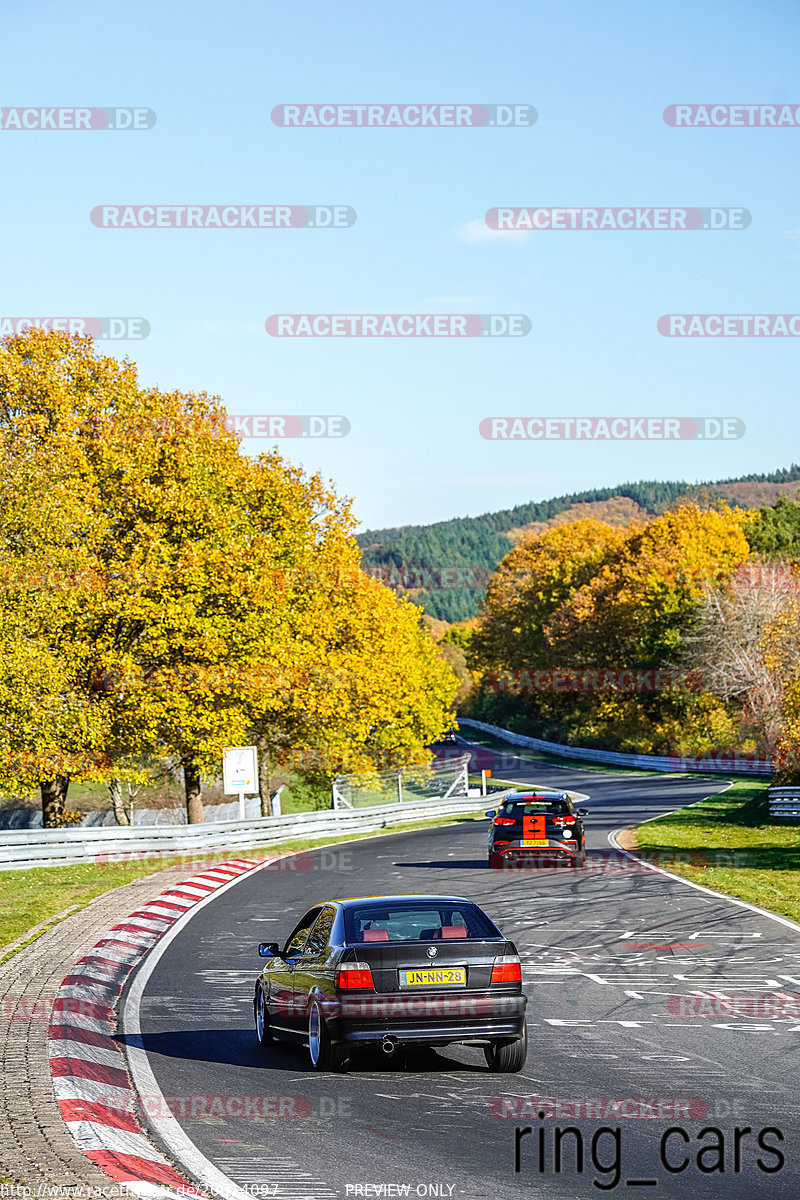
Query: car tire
580	859
506	1058
261	1015
323	1053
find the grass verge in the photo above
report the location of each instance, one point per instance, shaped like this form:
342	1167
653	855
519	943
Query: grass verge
728	842
33	901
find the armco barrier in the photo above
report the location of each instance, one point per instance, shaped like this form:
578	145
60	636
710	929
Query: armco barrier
726	763
20	848
784	802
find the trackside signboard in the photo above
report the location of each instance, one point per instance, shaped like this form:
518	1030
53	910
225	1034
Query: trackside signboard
240	770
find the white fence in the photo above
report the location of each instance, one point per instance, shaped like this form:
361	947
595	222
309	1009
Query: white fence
723	762
403	785
50	847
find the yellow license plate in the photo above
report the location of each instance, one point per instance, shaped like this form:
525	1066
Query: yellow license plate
534	842
443	976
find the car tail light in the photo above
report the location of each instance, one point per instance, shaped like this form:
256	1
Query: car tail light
505	821
507	969
563	820
352	975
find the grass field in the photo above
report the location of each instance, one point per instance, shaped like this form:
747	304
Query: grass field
44	895
728	843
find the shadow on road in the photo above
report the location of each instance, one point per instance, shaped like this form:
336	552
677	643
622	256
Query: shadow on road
598	862
461	864
239	1048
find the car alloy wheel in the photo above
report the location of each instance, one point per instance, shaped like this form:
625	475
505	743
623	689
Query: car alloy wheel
324	1055
263	1031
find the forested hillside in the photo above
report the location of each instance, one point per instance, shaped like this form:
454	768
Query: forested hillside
423	561
679	634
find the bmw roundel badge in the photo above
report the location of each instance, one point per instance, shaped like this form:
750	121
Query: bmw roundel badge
432	952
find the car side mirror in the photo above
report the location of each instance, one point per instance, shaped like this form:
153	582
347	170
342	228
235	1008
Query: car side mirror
268	949
492	812
583	812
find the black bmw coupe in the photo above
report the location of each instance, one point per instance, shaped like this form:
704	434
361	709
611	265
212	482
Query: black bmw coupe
394	972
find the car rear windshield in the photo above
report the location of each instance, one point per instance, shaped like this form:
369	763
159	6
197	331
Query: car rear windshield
519	808
404	921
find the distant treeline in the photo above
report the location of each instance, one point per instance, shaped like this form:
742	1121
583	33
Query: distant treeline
400	554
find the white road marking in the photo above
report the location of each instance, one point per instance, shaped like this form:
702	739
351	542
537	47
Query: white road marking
741	1025
279	1177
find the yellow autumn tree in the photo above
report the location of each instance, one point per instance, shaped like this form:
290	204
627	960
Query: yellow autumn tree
620	601
200	603
531	585
632	613
364	689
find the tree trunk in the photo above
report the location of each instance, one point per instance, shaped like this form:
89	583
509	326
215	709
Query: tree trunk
120	815
194	792
54	801
264	786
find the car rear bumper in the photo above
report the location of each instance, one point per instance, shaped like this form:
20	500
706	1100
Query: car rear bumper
432	1019
551	850
436	1035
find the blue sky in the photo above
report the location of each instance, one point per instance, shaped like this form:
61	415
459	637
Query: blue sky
599	76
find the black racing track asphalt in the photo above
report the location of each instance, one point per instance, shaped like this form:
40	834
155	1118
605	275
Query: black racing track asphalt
607	952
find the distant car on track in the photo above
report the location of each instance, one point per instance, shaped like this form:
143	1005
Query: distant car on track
394	972
450	737
537	824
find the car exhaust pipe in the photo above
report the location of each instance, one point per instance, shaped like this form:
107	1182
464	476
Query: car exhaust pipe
389	1045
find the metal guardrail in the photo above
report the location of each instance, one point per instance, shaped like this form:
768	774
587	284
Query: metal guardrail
784	802
726	763
23	848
